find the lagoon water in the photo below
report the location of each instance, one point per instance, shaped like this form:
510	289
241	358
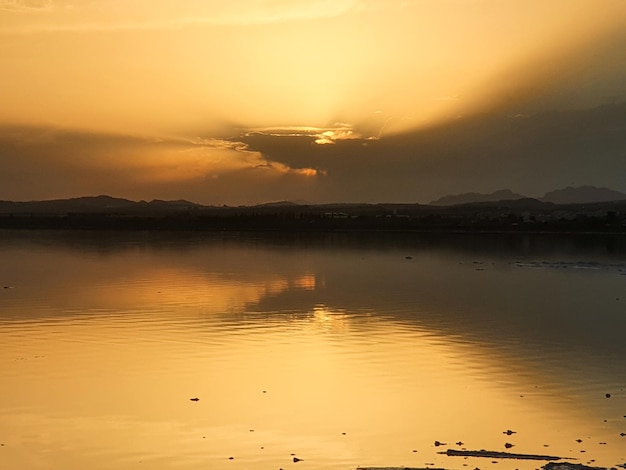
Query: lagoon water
340	350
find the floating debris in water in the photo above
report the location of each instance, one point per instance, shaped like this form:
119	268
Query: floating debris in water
497	455
195	399
508	432
400	468
437	444
568	466
296	459
508	445
608	395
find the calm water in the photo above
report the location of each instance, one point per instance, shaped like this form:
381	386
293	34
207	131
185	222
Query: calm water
340	350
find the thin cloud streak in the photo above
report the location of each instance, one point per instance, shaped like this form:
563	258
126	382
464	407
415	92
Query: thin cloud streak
25	5
154	15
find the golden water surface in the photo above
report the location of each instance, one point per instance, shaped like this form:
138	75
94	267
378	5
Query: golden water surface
340	351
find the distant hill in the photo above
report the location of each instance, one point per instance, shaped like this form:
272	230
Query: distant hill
526	203
467	198
93	205
278	204
583	194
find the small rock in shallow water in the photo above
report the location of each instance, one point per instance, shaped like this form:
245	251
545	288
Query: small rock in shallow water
195	399
608	395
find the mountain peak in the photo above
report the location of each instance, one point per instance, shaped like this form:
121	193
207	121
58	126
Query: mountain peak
583	194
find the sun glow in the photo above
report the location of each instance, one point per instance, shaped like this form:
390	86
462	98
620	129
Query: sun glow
328	72
320	135
303	62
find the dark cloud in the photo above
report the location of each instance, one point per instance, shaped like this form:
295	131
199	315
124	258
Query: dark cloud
590	72
529	155
47	163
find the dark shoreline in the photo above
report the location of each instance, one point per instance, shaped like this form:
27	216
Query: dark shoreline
518	216
311	224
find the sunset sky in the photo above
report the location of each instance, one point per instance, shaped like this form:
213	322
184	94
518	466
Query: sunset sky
251	101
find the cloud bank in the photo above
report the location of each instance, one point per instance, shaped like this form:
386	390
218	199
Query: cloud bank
529	155
44	163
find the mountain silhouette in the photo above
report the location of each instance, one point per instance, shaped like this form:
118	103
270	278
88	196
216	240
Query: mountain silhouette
94	205
467	198
570	195
583	194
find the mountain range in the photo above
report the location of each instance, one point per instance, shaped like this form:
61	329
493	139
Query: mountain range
569	195
108	205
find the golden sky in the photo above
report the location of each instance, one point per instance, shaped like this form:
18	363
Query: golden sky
156	98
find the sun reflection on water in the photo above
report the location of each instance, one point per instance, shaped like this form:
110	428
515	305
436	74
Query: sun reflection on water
286	358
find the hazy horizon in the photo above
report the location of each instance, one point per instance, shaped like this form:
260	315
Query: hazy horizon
319	101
